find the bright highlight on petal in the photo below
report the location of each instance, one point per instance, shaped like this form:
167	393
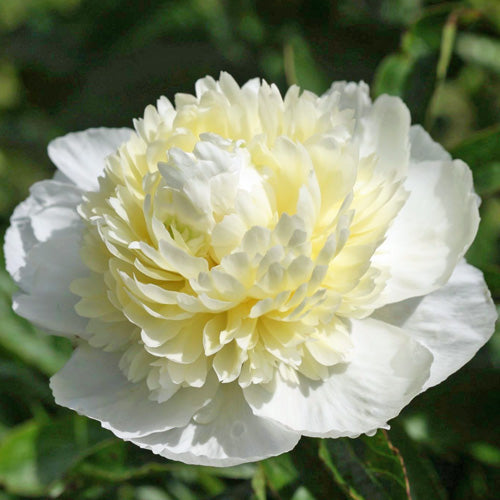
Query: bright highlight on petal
241	253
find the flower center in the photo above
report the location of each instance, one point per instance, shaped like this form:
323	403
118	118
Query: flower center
234	234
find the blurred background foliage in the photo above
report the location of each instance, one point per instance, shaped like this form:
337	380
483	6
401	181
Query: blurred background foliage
71	64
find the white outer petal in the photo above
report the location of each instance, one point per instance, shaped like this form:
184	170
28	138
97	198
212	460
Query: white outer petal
19	237
452	322
233	436
81	155
92	384
385	132
387	369
423	148
45	298
53	313
42	244
432	231
50	207
42	251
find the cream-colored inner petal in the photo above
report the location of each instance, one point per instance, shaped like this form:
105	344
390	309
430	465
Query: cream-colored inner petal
233	234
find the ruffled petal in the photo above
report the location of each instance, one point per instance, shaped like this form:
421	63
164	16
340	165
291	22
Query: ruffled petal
42	251
50	207
92	384
384	132
434	228
80	155
45	298
353	96
423	148
224	433
452	322
19	237
387	369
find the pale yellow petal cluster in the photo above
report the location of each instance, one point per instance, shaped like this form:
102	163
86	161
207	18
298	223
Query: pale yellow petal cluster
233	233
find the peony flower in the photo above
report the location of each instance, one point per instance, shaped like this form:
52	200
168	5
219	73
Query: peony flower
246	268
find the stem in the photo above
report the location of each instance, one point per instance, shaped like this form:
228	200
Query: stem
446	51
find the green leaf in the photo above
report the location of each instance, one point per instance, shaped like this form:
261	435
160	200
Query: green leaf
104	468
423	478
119	463
279	471
366	468
421	83
300	66
446	50
492	278
300	474
313	474
479	49
391	74
35	456
302	493
421	66
429	27
399	11
484	251
151	493
480	149
411	77
487	179
259	484
482	153
23	392
485	453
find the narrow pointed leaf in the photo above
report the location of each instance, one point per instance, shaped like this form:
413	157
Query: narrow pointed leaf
367	468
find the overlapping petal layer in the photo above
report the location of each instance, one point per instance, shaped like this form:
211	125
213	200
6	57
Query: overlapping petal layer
250	251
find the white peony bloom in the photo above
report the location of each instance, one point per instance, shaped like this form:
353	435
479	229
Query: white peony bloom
246	268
